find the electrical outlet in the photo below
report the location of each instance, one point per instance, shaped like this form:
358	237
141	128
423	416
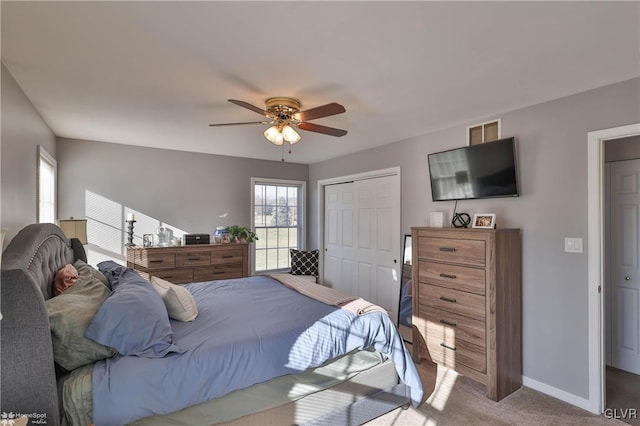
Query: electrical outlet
573	245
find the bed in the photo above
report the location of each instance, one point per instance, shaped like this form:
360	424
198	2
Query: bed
310	381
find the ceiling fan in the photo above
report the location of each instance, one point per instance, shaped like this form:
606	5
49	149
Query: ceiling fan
284	114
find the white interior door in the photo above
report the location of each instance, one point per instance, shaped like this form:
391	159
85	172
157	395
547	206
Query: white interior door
362	240
625	265
339	237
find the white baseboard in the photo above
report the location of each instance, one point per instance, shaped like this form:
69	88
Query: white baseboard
557	393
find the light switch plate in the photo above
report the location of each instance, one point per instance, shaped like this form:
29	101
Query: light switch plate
573	245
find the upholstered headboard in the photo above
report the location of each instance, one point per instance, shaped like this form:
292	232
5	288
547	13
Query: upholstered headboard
27	369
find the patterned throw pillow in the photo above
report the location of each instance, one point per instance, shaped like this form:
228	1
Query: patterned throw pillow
304	262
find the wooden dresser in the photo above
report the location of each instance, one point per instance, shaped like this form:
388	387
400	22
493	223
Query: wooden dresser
192	263
467	304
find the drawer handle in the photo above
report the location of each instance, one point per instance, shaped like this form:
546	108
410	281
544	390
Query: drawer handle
227	257
218	273
156	261
167	277
453	277
193	258
448	299
452	324
452	249
447	347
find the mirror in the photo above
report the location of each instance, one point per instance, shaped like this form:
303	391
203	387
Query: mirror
404	322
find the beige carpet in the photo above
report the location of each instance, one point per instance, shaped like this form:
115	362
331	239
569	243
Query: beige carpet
457	400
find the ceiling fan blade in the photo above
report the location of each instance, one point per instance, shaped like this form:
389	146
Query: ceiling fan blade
319	112
322	129
238	124
249	106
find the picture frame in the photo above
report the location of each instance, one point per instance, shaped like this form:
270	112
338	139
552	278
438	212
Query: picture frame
484	220
147	240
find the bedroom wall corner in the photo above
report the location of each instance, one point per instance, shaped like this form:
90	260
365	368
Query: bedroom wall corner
23	129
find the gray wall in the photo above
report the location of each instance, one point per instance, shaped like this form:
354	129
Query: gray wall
552	159
188	191
23	129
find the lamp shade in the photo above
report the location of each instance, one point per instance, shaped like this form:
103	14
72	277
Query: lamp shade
74	228
274	135
290	135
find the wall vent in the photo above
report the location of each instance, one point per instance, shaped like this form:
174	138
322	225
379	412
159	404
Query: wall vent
484	132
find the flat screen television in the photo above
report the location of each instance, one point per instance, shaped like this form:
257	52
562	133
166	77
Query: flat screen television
477	171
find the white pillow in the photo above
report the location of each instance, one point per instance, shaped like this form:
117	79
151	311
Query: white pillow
179	302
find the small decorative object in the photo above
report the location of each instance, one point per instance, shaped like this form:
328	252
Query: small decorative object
147	240
219	233
461	220
131	219
436	219
165	236
484	220
242	234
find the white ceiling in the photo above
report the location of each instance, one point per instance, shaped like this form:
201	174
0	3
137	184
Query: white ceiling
157	73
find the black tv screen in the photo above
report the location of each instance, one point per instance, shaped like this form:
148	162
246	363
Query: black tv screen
476	171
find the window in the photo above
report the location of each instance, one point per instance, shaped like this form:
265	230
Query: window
46	187
278	212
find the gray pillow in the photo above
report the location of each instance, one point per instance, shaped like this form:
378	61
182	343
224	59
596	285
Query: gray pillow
180	304
69	316
133	320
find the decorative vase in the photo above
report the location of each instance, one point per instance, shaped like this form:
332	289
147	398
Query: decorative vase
220	233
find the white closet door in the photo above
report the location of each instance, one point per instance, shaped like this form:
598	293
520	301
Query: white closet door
362	240
339	237
378	241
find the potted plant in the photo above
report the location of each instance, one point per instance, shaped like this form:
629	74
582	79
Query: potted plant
242	233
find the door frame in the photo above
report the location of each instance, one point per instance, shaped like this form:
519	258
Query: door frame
595	209
372	174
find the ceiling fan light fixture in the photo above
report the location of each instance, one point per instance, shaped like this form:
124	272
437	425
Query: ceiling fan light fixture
274	135
290	135
284	114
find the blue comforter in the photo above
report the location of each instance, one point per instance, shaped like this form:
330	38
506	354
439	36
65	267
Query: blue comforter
247	331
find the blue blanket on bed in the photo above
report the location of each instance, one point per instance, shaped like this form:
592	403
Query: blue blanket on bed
247	331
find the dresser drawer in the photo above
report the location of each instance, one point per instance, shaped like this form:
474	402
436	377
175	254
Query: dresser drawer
193	258
176	276
220	272
466	252
459	302
230	255
452	276
445	349
155	259
442	323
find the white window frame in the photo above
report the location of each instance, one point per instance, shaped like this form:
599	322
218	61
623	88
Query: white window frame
302	212
45	158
